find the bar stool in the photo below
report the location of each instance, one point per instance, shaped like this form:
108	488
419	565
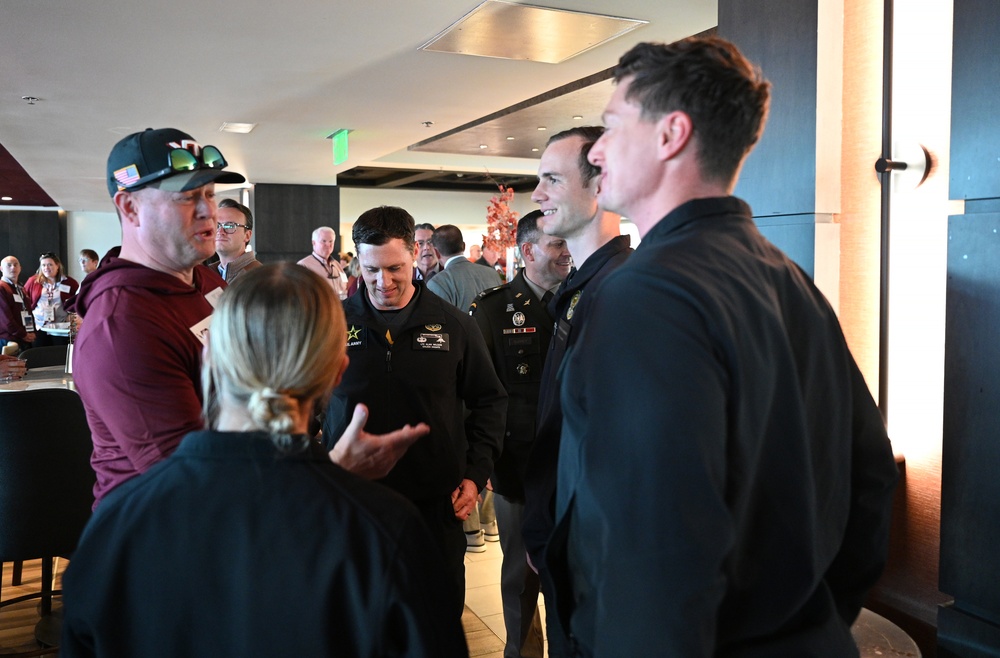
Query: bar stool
46	486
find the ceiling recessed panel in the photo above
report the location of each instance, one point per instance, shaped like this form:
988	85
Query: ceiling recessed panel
509	30
521	131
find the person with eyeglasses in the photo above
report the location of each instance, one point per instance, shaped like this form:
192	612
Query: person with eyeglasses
234	226
50	292
428	262
137	358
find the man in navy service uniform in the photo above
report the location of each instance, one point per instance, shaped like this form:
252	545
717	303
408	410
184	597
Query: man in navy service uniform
725	477
517	327
415	358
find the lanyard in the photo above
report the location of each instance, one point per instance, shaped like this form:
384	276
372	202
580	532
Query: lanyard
326	265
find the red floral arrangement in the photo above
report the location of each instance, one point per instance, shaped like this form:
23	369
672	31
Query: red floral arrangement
501	222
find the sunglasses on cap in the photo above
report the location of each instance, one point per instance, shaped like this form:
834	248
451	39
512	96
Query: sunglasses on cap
180	160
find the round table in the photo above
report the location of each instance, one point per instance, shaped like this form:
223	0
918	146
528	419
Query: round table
877	637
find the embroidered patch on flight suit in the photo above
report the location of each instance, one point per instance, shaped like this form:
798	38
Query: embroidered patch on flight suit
357	337
572	304
434	342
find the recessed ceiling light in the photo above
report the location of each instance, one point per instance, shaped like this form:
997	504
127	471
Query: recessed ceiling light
534	150
6	198
578	118
544	34
510	138
482	146
542	128
236	127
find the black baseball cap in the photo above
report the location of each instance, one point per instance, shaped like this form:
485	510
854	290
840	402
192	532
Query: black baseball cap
168	157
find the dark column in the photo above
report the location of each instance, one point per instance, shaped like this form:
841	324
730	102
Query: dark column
779	178
970	489
286	215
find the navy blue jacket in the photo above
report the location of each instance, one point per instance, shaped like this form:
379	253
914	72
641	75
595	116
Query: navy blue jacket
231	548
724	476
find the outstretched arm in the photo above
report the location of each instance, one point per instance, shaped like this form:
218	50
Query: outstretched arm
372	456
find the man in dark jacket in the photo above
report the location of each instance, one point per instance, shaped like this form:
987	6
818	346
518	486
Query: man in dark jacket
724	475
415	358
517	327
567	191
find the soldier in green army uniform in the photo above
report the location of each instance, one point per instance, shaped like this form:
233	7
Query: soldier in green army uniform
517	327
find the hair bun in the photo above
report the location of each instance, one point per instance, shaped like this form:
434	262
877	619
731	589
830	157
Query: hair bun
272	410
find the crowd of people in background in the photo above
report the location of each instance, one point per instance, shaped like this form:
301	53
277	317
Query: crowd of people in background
682	454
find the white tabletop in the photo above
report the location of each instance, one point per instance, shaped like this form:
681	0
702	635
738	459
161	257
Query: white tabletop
38	378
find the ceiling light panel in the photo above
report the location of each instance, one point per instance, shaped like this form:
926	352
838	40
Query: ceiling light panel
236	127
508	30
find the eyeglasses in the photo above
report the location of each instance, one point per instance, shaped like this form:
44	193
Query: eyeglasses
180	160
47	254
230	227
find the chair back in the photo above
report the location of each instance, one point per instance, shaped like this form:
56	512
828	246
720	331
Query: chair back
46	481
40	357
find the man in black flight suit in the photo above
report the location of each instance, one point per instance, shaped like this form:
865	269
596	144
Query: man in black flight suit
416	358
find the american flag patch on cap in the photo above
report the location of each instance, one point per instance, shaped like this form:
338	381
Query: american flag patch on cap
126	176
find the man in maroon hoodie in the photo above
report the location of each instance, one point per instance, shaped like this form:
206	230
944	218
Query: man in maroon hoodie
138	356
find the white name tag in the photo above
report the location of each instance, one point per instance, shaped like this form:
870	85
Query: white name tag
64	288
200	330
17	298
213	297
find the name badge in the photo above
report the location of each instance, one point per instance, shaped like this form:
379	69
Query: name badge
213	296
200	330
64	288
27	320
431	341
17	298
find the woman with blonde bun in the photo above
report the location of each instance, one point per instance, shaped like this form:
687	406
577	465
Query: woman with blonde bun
249	540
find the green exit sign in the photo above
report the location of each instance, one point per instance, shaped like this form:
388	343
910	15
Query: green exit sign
339	146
